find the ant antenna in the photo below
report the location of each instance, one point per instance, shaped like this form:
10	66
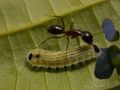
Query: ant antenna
62	20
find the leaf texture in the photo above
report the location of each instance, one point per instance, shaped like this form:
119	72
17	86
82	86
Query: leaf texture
23	25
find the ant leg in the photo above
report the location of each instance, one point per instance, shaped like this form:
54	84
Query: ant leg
48	39
78	41
71	25
67	46
44	41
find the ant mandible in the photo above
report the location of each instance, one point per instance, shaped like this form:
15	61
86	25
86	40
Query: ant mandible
72	33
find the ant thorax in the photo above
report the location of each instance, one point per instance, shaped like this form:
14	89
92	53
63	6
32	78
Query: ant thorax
73	33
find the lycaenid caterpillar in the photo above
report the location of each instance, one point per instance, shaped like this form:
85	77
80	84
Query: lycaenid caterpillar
58	59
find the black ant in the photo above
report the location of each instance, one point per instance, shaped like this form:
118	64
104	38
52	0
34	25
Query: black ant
72	33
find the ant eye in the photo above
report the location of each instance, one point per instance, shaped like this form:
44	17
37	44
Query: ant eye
56	29
87	37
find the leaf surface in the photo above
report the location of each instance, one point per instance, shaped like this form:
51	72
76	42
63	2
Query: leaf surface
23	25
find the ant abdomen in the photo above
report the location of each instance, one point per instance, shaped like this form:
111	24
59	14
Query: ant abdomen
56	29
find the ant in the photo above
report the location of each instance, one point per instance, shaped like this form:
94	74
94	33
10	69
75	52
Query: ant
72	33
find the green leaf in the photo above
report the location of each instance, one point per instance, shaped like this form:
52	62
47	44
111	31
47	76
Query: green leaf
23	26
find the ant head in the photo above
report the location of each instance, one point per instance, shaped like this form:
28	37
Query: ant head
87	37
56	29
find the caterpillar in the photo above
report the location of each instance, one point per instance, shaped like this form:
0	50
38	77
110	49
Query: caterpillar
40	58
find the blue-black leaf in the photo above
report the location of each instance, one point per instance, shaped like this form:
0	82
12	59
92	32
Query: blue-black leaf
103	67
109	30
114	54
